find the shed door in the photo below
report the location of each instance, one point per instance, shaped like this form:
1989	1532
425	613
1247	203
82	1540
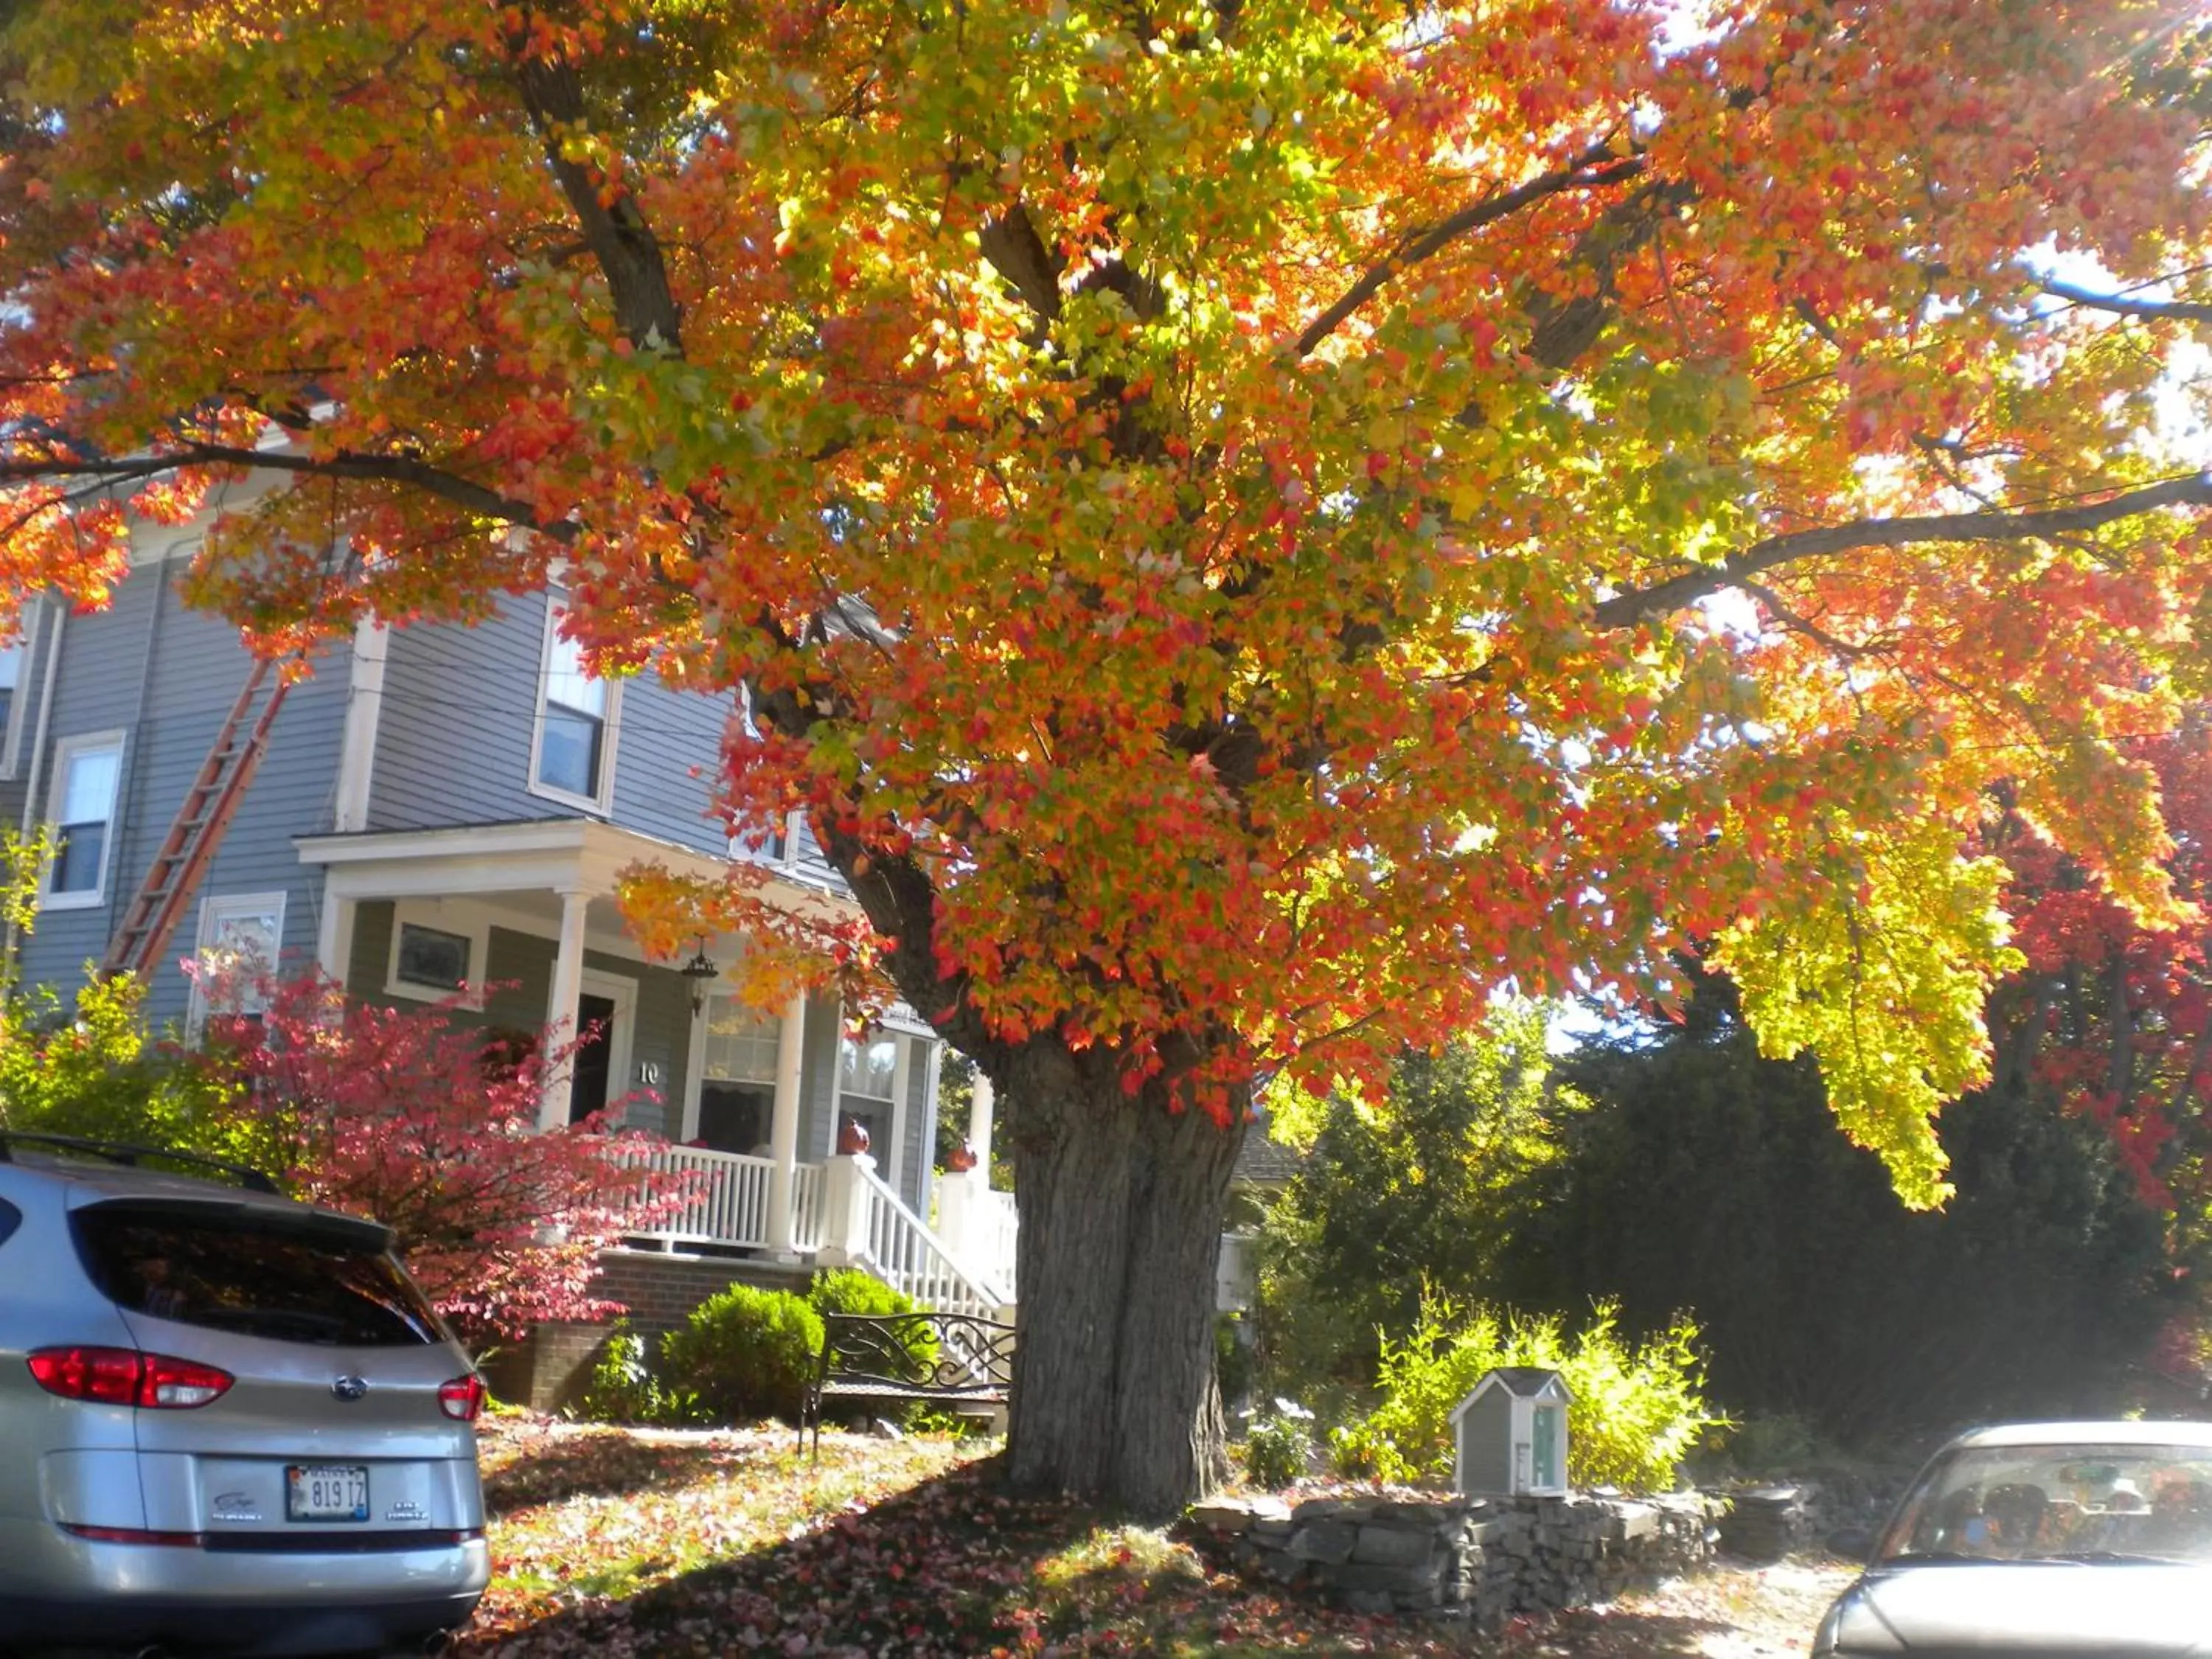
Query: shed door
1548	1450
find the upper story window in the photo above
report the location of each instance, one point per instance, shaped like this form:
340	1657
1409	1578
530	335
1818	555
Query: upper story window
573	755
81	816
11	673
15	694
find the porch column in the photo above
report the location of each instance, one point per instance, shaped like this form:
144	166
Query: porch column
783	1132
980	1104
560	1006
334	936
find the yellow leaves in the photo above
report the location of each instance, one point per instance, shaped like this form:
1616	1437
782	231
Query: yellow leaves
1880	961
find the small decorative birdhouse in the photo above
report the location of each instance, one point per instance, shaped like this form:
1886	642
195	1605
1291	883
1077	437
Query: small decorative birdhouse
1511	1433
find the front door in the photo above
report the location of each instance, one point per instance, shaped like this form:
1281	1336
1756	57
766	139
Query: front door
595	1018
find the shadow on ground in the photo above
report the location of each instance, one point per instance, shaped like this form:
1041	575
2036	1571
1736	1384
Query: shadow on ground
956	1566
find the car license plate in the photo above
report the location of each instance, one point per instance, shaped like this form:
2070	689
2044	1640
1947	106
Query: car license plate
326	1491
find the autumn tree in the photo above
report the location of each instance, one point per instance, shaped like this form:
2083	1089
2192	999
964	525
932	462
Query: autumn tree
2114	1018
1246	525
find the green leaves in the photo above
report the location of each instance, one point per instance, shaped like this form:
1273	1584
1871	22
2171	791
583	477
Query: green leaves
1881	967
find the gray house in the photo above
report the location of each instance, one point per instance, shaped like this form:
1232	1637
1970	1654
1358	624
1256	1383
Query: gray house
442	812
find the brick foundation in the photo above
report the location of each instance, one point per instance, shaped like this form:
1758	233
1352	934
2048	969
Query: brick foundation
548	1370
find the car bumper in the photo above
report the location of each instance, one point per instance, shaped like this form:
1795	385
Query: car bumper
55	1588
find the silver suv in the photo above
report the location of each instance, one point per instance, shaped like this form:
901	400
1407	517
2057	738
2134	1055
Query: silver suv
227	1421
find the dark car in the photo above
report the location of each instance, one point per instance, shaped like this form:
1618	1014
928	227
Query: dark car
2052	1539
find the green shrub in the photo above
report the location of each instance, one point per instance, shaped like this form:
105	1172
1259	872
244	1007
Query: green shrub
1279	1445
623	1389
746	1354
1636	1410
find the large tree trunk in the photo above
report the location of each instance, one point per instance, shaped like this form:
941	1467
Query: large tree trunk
1122	1201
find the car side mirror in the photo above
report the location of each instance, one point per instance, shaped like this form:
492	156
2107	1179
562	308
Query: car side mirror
1853	1543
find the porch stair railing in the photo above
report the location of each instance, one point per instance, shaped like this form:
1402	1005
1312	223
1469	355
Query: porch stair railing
879	1233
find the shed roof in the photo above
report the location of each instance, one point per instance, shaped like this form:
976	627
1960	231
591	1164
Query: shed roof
1524	1382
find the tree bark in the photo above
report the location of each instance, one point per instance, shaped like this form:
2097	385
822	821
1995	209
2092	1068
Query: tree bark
1122	1201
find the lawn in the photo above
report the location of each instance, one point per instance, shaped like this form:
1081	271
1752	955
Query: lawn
610	1542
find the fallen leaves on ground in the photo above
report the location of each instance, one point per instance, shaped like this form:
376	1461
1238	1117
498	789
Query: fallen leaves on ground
614	1542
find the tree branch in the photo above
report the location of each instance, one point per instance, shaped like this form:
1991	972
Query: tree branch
1626	609
628	252
1585	172
382	469
2177	311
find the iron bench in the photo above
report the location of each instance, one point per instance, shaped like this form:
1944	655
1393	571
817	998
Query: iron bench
933	1358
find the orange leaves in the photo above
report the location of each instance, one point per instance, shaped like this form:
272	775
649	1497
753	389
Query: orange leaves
1206	687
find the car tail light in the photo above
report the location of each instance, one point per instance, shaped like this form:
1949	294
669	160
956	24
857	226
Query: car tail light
124	1376
463	1398
181	1540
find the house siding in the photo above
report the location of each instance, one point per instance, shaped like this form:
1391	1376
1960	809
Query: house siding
166	676
817	1123
460	706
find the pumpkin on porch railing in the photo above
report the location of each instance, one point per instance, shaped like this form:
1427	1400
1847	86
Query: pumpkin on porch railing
852	1139
960	1159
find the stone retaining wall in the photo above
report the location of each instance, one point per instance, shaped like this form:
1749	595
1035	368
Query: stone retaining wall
1476	1557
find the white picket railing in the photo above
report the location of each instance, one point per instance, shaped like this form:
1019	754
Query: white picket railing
903	1252
726	1201
996	1232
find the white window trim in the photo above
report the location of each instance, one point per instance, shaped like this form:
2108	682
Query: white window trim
213	908
66	750
611	726
19	706
442	918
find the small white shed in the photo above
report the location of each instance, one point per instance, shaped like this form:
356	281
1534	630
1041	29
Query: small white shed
1511	1433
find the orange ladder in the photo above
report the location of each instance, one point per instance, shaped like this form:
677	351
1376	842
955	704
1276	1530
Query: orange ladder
190	844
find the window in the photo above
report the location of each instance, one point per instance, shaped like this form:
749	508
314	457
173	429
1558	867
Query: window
867	1091
240	937
572	756
737	1076
438	952
11	675
234	1269
87	771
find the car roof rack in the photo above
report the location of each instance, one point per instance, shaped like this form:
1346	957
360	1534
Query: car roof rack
124	1152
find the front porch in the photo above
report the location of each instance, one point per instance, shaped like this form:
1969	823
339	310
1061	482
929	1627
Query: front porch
843	1215
521	923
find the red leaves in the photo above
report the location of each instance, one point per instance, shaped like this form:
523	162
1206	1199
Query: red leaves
432	1128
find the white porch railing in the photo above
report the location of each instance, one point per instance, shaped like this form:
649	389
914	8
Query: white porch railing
871	1227
998	1229
843	1214
727	1197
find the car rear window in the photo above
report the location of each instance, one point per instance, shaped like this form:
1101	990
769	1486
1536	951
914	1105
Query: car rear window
234	1271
